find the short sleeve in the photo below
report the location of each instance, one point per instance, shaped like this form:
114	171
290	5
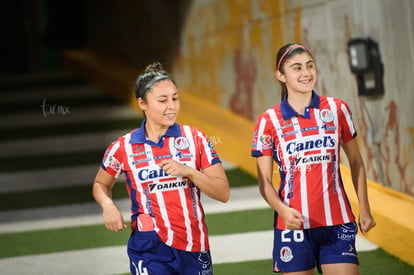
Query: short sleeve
112	161
347	126
263	137
208	154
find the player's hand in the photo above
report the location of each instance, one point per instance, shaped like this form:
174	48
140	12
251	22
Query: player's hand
113	217
174	168
366	222
292	218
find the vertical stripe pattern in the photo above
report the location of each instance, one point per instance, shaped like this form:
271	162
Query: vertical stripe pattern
172	201
307	148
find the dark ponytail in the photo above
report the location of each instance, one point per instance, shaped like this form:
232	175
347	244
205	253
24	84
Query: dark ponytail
152	74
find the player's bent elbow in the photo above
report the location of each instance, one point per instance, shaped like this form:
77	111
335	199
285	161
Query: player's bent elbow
226	196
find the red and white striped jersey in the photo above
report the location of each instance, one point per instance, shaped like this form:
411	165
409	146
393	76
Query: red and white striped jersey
306	149
172	201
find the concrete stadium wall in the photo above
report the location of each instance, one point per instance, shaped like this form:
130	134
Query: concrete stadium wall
227	52
223	61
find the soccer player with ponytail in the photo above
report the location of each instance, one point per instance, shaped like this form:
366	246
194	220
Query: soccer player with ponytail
166	166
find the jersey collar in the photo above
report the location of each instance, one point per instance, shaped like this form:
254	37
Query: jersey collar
138	135
288	112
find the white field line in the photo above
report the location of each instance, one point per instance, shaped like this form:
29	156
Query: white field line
58	177
242	198
230	248
113	260
48	178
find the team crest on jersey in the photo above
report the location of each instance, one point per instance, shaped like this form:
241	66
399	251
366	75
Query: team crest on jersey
286	254
181	143
326	115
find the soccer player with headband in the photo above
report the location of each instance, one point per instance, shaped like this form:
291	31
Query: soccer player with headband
166	166
303	134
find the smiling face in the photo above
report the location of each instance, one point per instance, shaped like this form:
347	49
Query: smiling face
299	73
162	105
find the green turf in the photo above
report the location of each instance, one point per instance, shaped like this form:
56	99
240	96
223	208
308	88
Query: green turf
55	240
70	238
376	262
55	196
83	193
379	262
249	267
239	221
238	178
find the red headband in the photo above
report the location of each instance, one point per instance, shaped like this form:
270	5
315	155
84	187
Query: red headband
288	50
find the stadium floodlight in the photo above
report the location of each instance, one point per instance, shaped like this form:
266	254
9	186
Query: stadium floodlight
365	62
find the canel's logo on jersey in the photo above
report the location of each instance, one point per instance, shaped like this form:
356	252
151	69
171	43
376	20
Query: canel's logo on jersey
311	144
146	174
